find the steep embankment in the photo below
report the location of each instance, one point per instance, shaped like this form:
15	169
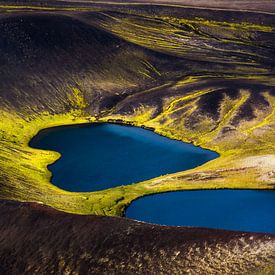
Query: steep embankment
190	74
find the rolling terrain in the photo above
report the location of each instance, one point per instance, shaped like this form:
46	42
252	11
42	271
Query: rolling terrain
192	74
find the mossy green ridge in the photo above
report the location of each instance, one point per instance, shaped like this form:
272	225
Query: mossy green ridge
184	75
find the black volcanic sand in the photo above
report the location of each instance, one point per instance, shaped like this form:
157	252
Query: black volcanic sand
35	239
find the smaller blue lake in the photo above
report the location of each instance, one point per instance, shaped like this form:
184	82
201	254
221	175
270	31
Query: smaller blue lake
243	210
101	156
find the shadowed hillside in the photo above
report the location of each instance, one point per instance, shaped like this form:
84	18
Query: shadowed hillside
104	245
50	54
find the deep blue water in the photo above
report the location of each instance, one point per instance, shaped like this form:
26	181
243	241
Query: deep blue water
101	156
244	210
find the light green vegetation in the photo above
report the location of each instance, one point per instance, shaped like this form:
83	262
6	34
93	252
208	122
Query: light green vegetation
245	145
245	162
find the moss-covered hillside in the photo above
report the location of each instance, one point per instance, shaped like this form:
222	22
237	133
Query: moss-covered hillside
205	77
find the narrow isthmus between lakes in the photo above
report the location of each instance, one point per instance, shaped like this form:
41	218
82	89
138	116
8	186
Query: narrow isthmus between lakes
101	156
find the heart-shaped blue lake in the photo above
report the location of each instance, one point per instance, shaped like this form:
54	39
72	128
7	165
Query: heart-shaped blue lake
100	156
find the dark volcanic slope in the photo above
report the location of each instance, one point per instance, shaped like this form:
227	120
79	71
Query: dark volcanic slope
39	240
47	54
110	55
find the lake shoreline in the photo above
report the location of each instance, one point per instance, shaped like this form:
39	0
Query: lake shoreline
206	203
167	156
